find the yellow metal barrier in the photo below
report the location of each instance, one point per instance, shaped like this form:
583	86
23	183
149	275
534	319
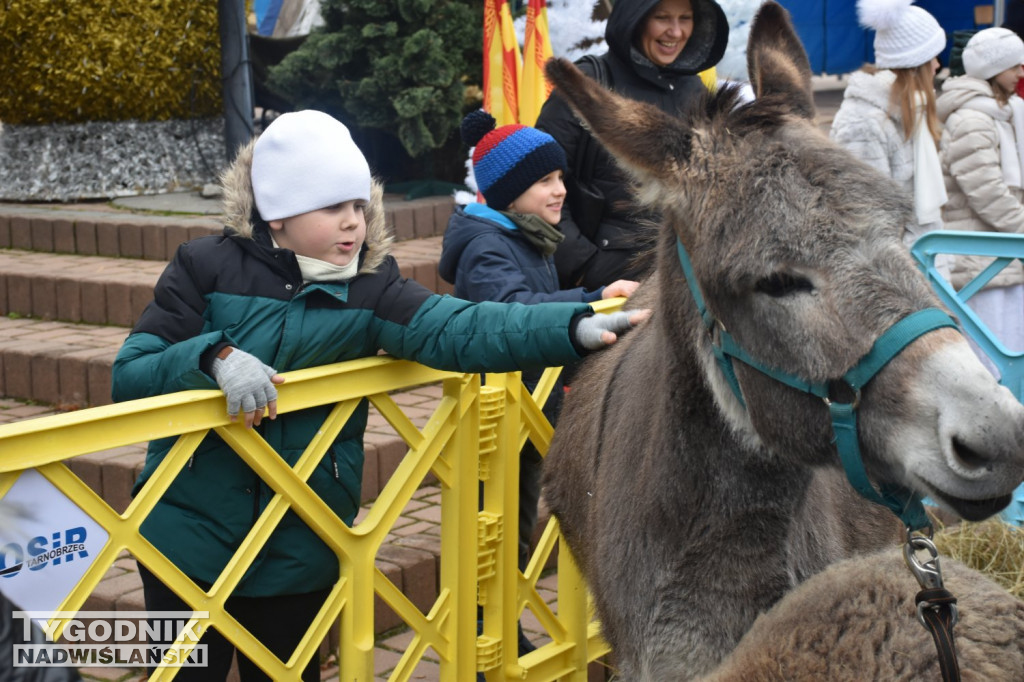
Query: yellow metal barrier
475	434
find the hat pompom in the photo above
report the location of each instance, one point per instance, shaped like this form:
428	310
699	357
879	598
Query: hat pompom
476	124
906	36
881	14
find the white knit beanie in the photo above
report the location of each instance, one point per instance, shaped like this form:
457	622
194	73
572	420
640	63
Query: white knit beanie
991	51
304	161
905	36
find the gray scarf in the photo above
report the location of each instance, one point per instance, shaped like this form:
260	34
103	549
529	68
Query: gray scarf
542	234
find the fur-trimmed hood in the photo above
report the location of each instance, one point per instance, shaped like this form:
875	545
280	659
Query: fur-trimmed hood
875	89
241	217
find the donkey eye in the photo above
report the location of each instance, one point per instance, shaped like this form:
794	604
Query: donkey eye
780	284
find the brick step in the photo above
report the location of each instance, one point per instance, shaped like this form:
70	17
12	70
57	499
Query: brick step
92	289
62	364
104	290
92	230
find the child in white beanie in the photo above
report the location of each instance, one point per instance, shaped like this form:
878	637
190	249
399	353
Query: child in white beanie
301	277
887	116
982	152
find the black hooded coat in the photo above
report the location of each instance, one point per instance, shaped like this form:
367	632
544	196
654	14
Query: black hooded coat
603	231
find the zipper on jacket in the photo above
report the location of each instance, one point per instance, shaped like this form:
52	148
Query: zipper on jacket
334	465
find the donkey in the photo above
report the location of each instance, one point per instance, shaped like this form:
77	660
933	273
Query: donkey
695	493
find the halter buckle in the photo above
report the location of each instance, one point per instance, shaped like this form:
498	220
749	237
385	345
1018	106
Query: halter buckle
855	403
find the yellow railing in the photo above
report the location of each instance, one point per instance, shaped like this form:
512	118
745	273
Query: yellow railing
475	433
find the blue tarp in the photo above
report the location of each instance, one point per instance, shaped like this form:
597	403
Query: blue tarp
836	44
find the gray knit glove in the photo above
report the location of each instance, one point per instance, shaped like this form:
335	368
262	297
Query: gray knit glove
590	329
245	381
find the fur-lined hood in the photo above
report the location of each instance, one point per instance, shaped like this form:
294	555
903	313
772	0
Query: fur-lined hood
241	217
874	88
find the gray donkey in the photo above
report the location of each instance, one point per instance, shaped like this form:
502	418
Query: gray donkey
694	493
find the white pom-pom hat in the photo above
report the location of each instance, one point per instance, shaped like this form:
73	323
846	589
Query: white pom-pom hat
990	52
906	36
304	161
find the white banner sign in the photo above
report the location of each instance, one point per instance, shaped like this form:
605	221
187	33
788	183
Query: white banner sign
46	544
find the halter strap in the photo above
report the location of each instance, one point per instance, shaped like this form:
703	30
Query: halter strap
903	502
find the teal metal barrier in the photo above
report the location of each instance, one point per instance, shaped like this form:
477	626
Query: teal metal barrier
1004	249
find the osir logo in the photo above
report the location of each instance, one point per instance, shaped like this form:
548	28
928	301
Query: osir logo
47	543
40	551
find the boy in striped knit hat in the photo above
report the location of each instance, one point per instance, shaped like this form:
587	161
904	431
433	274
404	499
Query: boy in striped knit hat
504	251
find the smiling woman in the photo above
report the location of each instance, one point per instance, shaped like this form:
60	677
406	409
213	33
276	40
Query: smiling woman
656	48
666	31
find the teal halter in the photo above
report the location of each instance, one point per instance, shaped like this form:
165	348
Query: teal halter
905	503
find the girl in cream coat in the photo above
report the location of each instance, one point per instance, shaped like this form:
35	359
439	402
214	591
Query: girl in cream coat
981	154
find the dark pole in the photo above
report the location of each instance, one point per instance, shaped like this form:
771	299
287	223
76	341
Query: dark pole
236	75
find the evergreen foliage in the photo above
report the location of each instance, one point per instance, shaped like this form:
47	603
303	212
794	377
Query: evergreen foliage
400	66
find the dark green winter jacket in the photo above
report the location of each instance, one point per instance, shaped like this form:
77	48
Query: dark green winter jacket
236	289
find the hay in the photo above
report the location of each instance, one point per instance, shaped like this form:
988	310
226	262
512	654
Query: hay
993	547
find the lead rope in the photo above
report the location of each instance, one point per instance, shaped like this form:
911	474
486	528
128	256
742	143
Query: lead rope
936	606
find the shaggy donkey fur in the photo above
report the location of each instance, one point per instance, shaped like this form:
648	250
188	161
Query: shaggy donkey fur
689	511
856	620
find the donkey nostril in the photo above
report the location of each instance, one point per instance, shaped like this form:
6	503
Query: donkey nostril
968	456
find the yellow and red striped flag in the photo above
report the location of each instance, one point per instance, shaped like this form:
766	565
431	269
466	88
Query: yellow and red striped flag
534	88
502	63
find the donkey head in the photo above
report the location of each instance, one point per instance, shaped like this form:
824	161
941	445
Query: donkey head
796	248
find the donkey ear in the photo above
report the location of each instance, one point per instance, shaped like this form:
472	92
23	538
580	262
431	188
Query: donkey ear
777	62
641	136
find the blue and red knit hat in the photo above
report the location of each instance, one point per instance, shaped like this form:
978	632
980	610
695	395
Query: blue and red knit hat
509	159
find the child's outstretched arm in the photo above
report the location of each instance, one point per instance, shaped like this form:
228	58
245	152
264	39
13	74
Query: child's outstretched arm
447	333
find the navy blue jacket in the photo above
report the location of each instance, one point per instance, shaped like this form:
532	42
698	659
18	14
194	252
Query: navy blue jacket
487	258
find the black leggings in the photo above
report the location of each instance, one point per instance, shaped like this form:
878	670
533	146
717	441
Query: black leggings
278	622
